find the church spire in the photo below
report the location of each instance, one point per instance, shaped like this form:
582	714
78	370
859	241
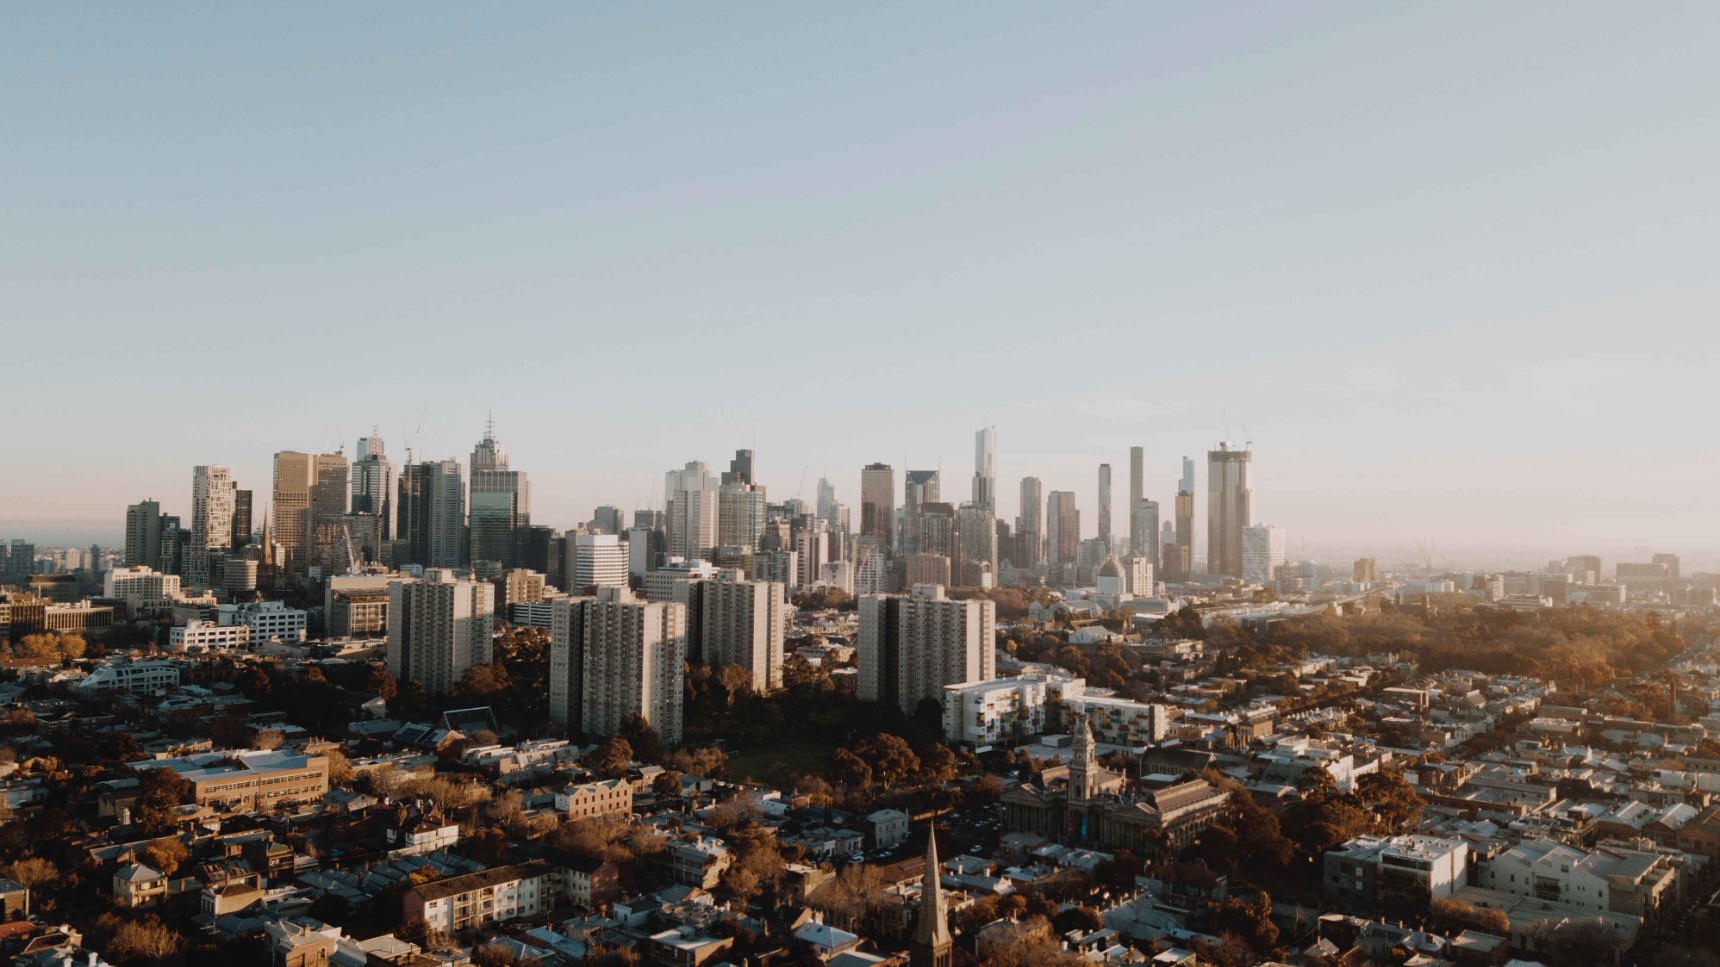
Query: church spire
930	946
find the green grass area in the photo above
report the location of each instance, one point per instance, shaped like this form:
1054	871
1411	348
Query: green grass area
804	757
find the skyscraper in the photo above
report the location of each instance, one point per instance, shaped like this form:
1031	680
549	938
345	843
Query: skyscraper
740	469
985	467
878	504
500	507
920	487
826	500
1137	491
1178	554
1229	502
241	518
211	521
373	484
599	561
1030	526
1062	527
438	628
1262	552
143	534
976	542
912	645
1144	537
690	496
1105	505
329	495
740	515
430	518
290	505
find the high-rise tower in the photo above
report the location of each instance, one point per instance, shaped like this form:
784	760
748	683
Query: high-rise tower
985	467
211	521
1229	503
1137	492
1105	505
500	505
878	504
373	484
1030	526
1062	527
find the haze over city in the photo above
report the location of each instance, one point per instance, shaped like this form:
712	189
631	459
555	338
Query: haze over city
1449	271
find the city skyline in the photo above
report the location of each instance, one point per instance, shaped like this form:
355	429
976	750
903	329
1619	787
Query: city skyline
1465	278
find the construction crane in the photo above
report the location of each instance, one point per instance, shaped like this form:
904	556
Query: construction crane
354	563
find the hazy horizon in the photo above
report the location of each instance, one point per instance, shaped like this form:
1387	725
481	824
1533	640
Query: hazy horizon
1449	267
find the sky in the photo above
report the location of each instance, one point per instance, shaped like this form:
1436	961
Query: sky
1449	267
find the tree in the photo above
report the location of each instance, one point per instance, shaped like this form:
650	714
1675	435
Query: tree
611	759
266	739
165	854
144	940
340	771
161	791
667	785
31	871
641	738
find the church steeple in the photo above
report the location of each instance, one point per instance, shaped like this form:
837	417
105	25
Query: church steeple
930	946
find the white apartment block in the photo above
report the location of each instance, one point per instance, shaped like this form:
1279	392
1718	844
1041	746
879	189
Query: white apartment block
141	588
438	628
745	623
208	636
985	713
131	676
913	645
268	620
1608	879
1262	552
473	900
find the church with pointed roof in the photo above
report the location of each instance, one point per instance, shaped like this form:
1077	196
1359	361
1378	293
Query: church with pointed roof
930	945
1085	803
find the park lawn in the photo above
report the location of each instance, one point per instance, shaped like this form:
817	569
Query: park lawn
802	757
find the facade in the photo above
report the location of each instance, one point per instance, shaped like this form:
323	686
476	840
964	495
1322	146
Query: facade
612	656
143	534
430	515
472	900
1262	553
991	712
913	645
268	620
745	623
1030	526
1178	556
123	675
211	522
1228	508
693	524
878	504
1105	505
740	515
500	504
143	589
1137	493
1144	529
599	561
1397	872
976	546
1062	527
373	484
612	797
927	569
919	488
328	506
1084	803
985	468
248	781
208	636
290	504
438	628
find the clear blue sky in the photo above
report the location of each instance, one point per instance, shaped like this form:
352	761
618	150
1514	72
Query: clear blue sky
1453	265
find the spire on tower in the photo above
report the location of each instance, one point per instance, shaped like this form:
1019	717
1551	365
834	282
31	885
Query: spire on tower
931	942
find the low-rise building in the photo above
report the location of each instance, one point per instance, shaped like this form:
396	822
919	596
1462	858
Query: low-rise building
123	675
610	797
248	781
472	900
1397	872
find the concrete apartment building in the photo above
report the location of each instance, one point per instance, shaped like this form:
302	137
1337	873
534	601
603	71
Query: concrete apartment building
745	623
1397	872
612	656
911	646
438	628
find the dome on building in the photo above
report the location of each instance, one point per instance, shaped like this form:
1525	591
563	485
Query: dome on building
1109	569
